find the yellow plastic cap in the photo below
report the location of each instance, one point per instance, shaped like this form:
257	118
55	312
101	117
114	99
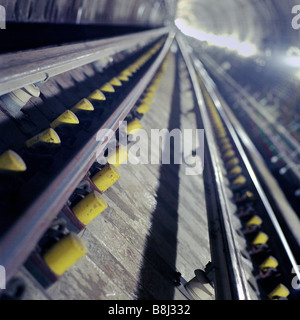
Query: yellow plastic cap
65	253
150	94
68	117
254	221
84	105
133	68
235	170
115	82
232	162
123	77
280	291
153	88
118	156
89	208
248	195
126	72
229	154
107	87
49	136
270	262
147	100
97	95
105	178
226	146
11	161
134	126
240	180
143	108
261	238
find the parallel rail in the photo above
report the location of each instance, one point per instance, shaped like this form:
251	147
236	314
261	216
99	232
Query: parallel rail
231	281
238	282
228	285
283	143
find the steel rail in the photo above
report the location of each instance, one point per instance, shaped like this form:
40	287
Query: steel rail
212	91
23	68
279	128
19	241
287	211
237	282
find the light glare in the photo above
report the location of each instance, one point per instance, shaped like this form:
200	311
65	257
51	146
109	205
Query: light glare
293	61
230	42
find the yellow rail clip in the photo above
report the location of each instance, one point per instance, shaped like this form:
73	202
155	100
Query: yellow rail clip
65	253
11	161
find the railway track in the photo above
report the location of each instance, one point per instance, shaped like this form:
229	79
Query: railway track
278	146
274	258
52	179
50	150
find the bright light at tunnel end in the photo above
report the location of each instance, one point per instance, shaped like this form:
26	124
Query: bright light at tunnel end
244	49
293	61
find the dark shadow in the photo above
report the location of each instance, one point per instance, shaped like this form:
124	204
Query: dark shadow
161	244
23	36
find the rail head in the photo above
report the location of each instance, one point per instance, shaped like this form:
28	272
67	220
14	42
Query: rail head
24	68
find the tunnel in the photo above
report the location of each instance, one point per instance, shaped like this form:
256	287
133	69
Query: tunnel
149	151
